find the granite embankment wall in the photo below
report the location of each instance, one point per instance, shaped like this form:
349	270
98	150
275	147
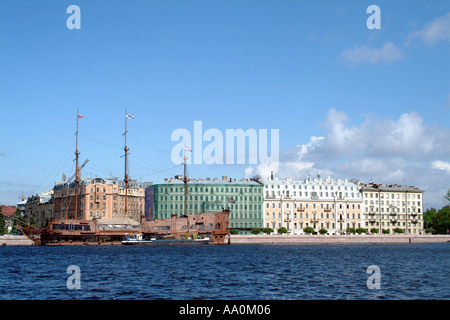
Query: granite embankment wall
15	241
317	239
291	239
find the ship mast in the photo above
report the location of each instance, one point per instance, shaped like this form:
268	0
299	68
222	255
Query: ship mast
77	177
185	180
126	179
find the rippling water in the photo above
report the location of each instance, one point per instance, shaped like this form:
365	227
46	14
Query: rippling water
247	272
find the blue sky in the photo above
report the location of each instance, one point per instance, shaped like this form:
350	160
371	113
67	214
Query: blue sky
348	101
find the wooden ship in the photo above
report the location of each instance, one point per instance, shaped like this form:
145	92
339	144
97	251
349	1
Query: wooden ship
202	228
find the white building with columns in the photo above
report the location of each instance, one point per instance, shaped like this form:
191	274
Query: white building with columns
333	205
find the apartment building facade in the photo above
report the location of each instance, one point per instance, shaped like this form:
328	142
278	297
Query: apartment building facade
393	206
37	208
243	197
99	198
334	205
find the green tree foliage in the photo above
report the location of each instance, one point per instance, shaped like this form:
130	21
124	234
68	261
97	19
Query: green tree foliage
256	231
32	222
428	217
282	230
267	230
18	219
438	220
361	230
2	223
308	230
323	231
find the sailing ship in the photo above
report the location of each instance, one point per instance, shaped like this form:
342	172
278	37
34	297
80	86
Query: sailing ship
203	228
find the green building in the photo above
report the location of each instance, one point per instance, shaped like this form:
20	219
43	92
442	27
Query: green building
244	198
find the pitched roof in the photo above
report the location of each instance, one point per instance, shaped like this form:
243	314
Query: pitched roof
8	210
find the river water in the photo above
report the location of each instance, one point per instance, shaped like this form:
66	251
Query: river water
227	272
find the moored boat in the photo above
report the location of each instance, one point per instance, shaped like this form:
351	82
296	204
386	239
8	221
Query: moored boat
80	232
200	228
197	227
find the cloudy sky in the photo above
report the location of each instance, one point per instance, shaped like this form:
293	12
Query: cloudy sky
347	101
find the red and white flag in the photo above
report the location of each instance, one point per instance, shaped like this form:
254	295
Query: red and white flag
80	116
187	148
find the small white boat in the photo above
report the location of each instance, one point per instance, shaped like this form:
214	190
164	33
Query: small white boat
136	240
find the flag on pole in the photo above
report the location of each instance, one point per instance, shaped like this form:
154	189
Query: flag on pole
187	148
231	200
80	116
130	116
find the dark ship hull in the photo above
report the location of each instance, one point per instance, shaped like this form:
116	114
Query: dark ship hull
189	229
202	228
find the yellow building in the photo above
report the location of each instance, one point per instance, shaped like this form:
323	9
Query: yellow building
99	198
333	205
393	206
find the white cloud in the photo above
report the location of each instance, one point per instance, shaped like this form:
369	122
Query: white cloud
291	162
363	54
407	136
436	31
384	151
433	32
441	165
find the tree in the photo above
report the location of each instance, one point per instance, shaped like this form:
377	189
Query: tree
351	230
267	230
308	230
233	231
32	222
374	230
386	231
256	231
323	231
439	221
282	230
361	230
398	230
428	217
18	219
2	223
